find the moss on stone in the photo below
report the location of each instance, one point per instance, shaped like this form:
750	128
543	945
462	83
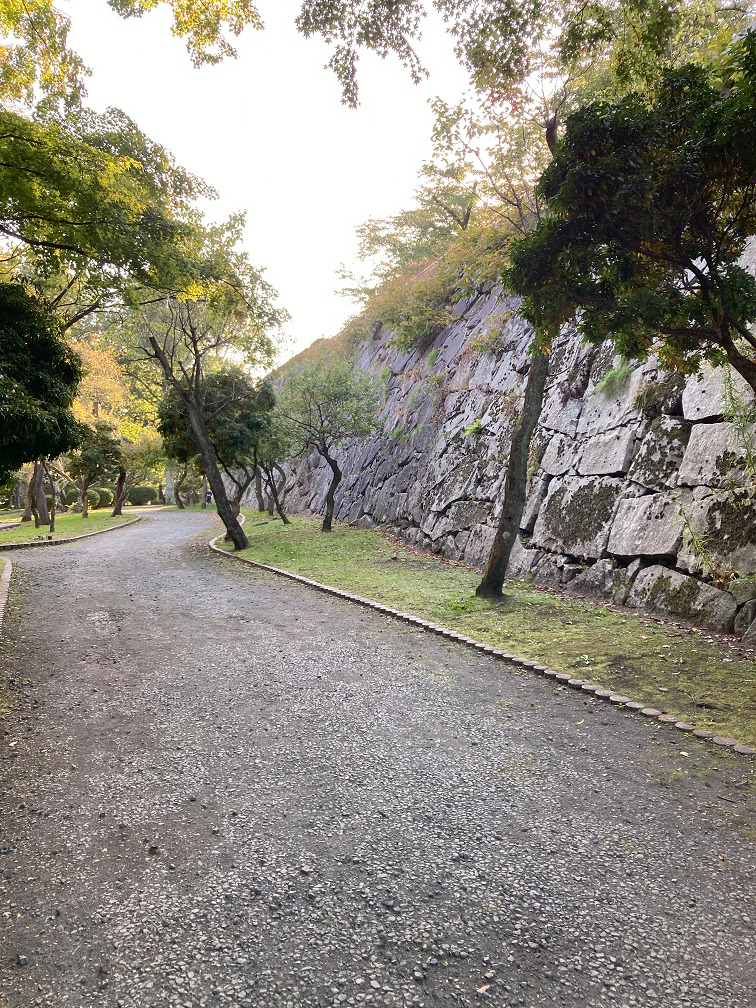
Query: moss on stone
679	601
663	396
582	515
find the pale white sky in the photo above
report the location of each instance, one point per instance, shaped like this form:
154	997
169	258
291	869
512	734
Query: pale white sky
268	131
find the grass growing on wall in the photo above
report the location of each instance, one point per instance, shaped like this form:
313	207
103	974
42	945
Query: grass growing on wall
687	673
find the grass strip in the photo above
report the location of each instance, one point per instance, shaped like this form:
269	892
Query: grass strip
680	670
67	526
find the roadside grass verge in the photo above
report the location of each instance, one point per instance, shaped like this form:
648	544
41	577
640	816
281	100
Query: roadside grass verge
682	671
66	527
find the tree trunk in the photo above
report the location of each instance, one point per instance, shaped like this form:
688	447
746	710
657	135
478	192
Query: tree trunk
53	497
214	478
169	482
39	504
83	486
516	483
335	480
177	483
27	515
745	367
120	493
270	475
258	489
204	493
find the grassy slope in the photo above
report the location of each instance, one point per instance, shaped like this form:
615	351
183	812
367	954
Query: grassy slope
66	527
678	670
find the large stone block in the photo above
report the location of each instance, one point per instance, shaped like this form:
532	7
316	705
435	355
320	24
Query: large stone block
603	579
660	453
705	393
602	412
577	515
715	456
726	523
559	455
662	590
608	454
646	526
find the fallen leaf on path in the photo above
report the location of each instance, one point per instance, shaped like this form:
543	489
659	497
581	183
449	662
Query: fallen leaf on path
482	990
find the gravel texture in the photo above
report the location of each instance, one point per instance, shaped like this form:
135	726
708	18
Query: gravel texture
224	789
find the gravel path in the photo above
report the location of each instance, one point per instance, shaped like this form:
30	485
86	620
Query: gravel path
223	789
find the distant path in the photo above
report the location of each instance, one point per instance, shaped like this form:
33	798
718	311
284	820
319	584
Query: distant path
230	790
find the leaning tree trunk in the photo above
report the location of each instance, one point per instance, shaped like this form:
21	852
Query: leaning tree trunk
516	483
214	478
120	493
329	500
276	502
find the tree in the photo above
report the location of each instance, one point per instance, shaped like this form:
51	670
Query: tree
234	409
185	340
142	456
97	459
273	448
325	406
93	209
39	377
650	207
37	64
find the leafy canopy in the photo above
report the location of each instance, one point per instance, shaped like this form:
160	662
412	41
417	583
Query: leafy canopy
651	203
327	404
98	456
39	376
235	410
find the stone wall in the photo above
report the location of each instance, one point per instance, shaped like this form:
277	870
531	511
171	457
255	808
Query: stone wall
619	465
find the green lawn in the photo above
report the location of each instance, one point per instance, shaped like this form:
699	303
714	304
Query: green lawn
681	671
66	527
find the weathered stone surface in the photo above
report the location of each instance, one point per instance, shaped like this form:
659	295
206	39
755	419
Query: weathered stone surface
608	454
714	456
726	523
650	526
603	579
603	412
660	453
560	454
663	590
705	395
577	515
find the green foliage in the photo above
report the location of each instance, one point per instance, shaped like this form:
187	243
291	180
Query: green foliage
475	429
39	374
234	409
106	496
98	456
37	65
94	498
143	494
327	404
430	360
615	380
651	206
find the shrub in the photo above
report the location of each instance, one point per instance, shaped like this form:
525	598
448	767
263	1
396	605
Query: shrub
106	496
141	495
69	495
93	497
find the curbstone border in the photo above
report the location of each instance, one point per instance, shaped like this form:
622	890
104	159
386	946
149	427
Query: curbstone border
62	542
4	587
563	678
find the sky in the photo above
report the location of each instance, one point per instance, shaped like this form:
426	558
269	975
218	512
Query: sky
269	133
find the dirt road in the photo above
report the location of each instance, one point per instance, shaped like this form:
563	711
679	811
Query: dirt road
224	789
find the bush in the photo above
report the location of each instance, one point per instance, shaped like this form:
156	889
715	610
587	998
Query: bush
69	495
106	496
141	495
93	497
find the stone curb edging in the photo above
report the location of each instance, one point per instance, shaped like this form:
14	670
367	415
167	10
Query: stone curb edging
4	587
62	542
563	678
